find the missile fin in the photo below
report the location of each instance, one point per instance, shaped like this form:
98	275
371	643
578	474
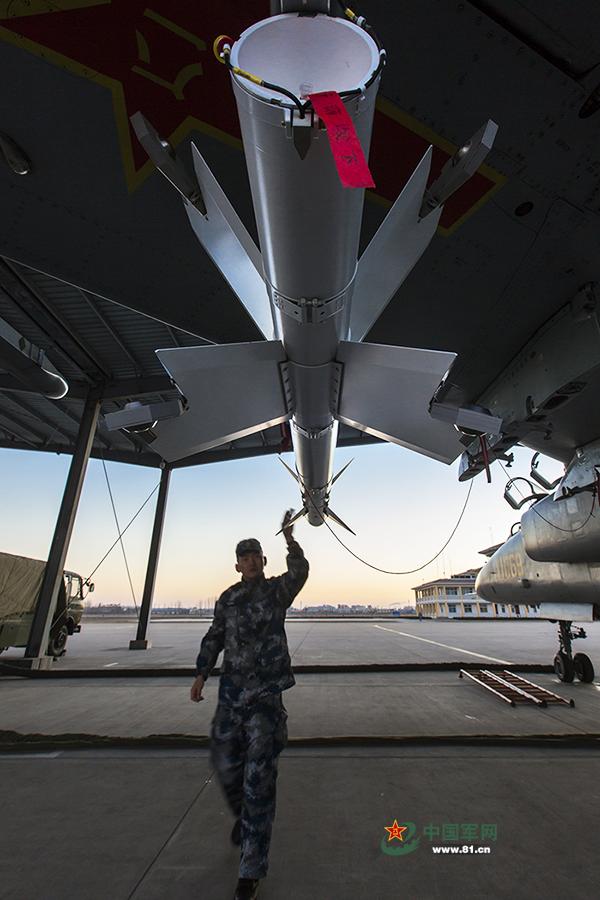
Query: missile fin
299	514
341	472
291	471
227	242
386	391
460	167
165	159
232	390
396	247
331	515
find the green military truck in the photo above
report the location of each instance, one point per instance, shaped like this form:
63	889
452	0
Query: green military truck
20	583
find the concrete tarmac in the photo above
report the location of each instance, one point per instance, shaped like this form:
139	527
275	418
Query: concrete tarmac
332	642
108	789
93	825
321	708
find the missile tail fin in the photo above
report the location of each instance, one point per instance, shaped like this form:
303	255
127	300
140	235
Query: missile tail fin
291	471
341	472
232	390
386	391
302	512
331	515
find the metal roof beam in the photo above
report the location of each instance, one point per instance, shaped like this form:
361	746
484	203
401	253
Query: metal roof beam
150	460
13	420
53	339
138	443
36	299
19	439
22	404
10	384
92	303
112	390
131	387
70	415
174	337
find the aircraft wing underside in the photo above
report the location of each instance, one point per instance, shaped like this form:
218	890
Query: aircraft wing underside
510	252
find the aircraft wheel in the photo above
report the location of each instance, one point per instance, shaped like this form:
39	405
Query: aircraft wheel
563	666
583	668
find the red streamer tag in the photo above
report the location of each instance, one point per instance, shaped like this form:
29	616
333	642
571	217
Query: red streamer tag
347	153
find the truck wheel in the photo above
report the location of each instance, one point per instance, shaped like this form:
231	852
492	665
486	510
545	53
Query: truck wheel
58	641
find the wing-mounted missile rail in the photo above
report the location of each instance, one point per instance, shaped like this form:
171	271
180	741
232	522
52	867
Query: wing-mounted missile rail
553	561
537	476
562	527
552	369
519	502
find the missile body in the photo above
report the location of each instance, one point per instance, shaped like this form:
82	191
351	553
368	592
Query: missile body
305	289
308	222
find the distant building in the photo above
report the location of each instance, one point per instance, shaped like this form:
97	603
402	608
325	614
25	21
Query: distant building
446	596
455	598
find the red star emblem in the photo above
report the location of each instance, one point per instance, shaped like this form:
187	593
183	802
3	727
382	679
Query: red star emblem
156	56
395	831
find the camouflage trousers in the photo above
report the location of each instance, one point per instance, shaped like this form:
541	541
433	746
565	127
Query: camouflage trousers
245	746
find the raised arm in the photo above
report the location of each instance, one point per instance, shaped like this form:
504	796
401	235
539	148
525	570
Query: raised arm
294	579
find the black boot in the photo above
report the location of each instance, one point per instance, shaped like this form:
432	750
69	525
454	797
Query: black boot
236	836
247	889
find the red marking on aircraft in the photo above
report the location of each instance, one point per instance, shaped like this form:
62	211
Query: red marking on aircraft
158	59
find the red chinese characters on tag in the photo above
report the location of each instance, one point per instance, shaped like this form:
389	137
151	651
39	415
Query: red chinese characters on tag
347	153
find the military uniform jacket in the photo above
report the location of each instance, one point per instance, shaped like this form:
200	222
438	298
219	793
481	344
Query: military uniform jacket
249	625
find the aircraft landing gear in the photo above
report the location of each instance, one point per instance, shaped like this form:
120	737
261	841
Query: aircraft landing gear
566	665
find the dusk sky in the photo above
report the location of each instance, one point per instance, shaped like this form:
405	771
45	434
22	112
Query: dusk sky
402	506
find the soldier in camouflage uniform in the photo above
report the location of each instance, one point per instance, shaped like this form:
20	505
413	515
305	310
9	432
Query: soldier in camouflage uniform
249	729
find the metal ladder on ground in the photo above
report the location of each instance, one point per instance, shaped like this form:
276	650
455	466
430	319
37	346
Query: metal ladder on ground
513	688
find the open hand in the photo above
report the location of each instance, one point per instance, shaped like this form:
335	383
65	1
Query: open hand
287	530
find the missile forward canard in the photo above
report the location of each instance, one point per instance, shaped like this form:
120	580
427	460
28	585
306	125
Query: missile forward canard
305	82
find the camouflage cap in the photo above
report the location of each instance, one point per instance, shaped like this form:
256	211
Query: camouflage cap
248	545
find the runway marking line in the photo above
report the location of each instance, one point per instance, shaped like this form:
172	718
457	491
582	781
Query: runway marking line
504	662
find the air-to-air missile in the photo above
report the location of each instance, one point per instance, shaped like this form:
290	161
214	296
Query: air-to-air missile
305	89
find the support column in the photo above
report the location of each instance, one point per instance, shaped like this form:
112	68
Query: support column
141	642
35	651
